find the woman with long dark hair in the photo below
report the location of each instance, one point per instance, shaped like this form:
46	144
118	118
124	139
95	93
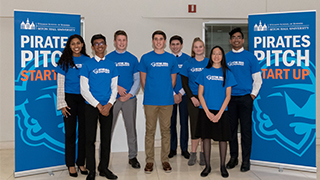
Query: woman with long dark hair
71	103
215	83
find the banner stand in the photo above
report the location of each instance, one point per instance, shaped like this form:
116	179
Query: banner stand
282	166
39	40
284	111
40	171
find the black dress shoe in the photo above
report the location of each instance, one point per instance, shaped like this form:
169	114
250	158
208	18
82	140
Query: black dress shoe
91	176
205	172
185	154
108	174
72	174
224	172
134	163
172	153
85	172
232	163
245	166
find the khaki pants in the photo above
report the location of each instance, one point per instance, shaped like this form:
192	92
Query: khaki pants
152	113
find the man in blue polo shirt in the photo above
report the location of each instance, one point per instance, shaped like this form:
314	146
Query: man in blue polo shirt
128	85
98	82
158	73
246	69
181	100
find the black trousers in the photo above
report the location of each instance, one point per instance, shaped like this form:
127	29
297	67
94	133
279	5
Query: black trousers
77	105
240	110
92	116
193	113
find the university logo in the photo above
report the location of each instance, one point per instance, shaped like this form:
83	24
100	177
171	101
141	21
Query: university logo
79	66
196	69
215	78
27	25
122	64
101	70
236	63
260	27
32	119
159	64
290	121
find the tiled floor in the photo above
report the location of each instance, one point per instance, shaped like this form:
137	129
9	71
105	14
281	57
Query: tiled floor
181	171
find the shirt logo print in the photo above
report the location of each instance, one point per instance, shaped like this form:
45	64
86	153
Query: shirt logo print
122	64
236	63
159	64
196	69
215	78
101	70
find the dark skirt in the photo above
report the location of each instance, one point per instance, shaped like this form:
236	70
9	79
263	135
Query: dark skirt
207	129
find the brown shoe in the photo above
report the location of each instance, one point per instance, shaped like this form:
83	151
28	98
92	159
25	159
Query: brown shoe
149	168
166	167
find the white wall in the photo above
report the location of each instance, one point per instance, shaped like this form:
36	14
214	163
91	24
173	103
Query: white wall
139	19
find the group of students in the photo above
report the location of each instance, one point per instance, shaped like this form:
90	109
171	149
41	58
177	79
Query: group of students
213	92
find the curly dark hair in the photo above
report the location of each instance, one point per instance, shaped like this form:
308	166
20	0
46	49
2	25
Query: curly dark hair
66	59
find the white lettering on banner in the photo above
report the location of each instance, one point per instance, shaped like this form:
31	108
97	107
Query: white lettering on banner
283	41
40	42
294	41
27	55
277	53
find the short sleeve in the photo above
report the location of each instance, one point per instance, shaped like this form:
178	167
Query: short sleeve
59	70
84	71
255	66
142	67
200	78
184	69
175	68
230	79
115	72
136	65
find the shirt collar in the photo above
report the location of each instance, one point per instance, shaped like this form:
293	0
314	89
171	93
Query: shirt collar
98	59
239	51
179	54
122	52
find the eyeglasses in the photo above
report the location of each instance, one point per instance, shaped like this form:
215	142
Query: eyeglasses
236	37
101	44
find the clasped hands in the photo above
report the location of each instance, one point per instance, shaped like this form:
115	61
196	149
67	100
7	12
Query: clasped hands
124	96
104	110
212	117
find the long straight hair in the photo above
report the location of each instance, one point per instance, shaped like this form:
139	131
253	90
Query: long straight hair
223	63
66	59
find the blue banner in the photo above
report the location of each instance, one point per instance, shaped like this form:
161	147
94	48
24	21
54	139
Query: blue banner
284	113
39	129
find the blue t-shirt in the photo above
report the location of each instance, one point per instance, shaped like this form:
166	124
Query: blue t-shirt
242	65
191	69
100	75
158	89
213	91
183	58
72	78
127	65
